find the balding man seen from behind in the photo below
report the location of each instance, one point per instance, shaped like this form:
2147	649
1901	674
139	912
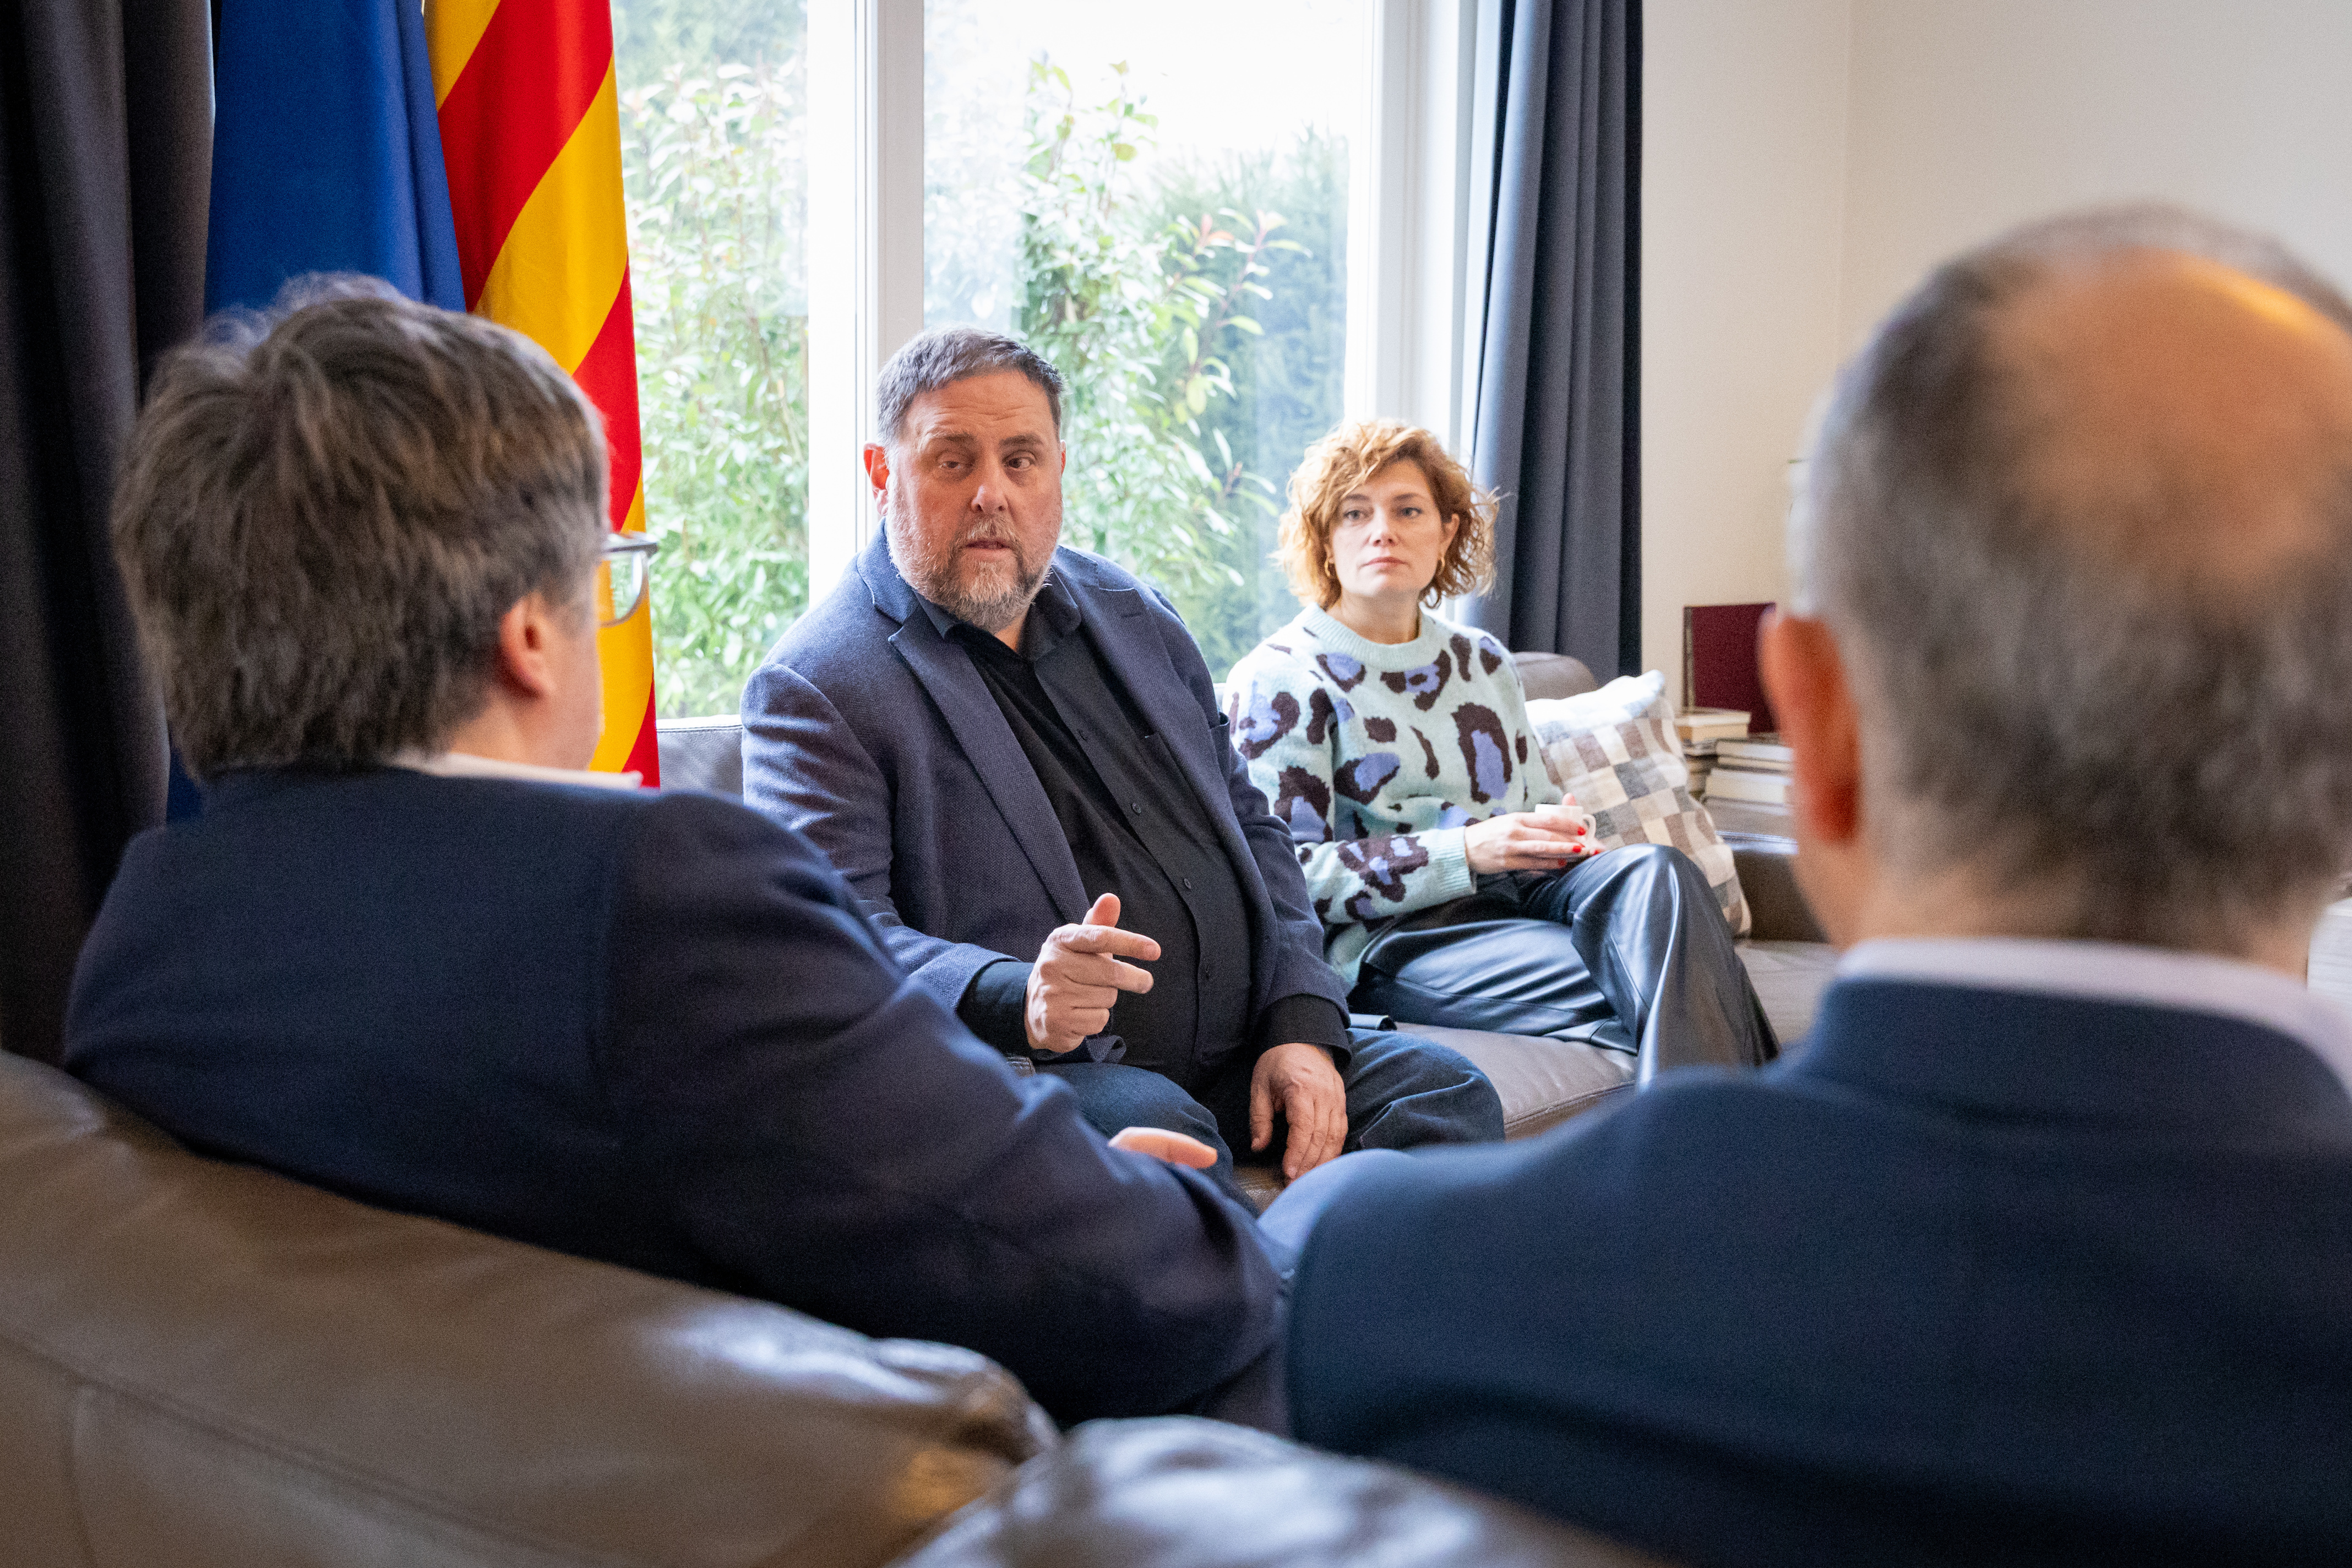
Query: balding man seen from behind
2039	1249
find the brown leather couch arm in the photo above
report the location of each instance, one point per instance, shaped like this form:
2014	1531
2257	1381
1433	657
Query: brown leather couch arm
203	1362
1136	1494
1767	876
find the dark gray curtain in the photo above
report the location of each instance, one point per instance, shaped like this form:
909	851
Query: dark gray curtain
1557	151
105	158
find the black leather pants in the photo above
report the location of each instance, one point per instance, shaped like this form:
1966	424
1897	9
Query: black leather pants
1626	951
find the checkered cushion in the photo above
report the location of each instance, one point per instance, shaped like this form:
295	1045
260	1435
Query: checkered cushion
1614	749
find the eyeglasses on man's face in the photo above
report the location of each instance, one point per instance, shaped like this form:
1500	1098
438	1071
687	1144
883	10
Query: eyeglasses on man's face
621	575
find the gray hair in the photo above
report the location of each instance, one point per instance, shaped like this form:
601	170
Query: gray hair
326	509
951	354
2174	761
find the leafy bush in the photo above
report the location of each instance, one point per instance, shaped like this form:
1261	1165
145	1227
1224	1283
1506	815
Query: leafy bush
1286	379
1136	318
713	168
1203	344
651	35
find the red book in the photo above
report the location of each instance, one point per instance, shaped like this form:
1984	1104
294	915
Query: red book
1720	661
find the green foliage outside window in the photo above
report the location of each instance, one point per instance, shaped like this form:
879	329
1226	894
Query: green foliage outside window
1284	380
1140	312
713	171
1197	315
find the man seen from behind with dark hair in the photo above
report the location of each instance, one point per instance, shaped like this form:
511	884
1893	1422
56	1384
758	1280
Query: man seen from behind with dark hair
409	953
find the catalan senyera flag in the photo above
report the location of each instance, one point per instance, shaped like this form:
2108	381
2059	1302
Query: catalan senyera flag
531	133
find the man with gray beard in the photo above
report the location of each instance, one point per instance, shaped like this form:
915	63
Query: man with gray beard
1014	752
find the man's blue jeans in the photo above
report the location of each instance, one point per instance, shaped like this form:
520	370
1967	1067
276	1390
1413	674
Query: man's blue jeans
1402	1093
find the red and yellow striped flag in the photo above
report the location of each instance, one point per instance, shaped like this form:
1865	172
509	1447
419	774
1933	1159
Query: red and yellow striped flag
530	130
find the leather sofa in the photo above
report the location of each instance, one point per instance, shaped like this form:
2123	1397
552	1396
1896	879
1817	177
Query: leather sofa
1542	1082
205	1364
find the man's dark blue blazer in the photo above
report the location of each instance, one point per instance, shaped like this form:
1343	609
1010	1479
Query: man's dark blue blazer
651	1029
874	735
1975	1276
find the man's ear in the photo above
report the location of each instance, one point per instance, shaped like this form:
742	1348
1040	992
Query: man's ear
1064	450
527	631
1837	865
877	467
1805	674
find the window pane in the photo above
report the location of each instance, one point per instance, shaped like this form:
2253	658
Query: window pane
713	134
1156	198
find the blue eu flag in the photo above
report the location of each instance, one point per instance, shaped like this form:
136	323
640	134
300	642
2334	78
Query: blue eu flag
326	151
326	158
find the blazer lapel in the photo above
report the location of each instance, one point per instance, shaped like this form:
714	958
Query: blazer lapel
973	718
1137	657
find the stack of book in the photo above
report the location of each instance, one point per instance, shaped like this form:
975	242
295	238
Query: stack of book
1701	731
1753	768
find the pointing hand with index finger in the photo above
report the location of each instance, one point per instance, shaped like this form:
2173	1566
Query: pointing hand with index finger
1078	975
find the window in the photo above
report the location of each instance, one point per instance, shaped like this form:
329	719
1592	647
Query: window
714	133
1156	198
989	161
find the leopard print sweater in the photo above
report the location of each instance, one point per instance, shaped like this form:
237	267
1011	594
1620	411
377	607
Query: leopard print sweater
1377	756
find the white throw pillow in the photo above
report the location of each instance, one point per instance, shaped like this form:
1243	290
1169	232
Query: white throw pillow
1614	749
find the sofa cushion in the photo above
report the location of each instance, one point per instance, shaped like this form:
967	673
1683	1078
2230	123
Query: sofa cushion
1777	909
206	1364
1155	1494
1790	977
701	754
1548	674
1542	1082
1614	749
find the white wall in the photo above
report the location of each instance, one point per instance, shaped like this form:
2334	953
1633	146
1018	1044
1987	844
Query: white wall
1970	117
1743	125
1807	161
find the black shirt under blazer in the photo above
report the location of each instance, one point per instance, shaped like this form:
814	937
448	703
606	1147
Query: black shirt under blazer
1134	827
650	1030
874	735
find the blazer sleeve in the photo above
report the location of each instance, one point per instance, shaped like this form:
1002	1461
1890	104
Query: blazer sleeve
805	769
826	1132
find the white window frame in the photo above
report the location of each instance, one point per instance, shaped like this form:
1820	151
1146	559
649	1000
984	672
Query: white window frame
1409	220
865	249
1413	323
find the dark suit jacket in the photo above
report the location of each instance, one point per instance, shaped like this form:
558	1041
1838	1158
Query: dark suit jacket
650	1030
1975	1277
874	735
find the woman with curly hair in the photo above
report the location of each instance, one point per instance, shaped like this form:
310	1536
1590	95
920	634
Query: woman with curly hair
1457	885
